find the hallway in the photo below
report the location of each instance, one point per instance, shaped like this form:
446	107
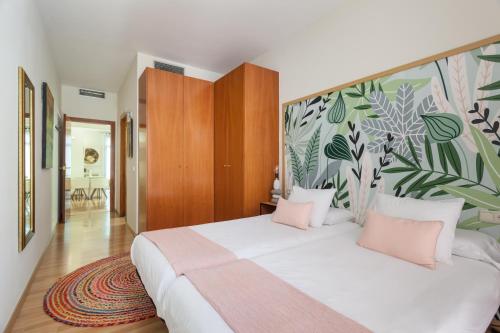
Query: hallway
86	237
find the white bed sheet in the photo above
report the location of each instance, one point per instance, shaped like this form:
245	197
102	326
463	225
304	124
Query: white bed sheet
383	293
247	238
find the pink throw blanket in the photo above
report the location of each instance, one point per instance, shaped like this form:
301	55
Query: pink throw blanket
251	299
187	250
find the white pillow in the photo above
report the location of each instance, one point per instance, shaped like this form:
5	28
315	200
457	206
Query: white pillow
320	198
477	245
338	215
448	211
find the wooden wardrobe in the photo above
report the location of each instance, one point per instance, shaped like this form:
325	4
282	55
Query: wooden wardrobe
246	140
176	150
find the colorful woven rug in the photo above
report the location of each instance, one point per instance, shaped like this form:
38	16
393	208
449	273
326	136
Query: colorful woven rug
104	293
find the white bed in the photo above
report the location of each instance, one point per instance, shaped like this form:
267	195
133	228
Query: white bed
246	238
380	292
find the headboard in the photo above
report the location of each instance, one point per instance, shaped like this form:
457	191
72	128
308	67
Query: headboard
429	129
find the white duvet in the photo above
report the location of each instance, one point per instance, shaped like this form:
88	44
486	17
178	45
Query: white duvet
246	238
380	292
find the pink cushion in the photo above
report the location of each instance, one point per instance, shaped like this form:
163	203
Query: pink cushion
410	240
293	213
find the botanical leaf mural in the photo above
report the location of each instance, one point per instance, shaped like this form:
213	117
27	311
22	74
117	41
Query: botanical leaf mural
336	114
443	127
430	131
401	121
338	149
312	152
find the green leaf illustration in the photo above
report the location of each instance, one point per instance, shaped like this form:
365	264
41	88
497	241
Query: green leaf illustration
490	98
479	167
442	158
312	151
404	160
428	153
473	196
391	87
406	179
398	170
338	149
415	186
452	156
491	86
443	127
298	172
490	57
336	114
362	107
474	224
413	152
488	154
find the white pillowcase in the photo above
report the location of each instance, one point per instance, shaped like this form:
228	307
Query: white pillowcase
321	199
477	245
448	211
338	215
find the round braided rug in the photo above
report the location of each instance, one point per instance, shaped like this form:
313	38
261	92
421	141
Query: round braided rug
104	293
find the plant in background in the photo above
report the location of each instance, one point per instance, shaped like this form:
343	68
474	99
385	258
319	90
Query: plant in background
383	162
311	156
336	114
492	86
338	149
359	192
442	127
357	152
476	197
420	180
402	121
490	128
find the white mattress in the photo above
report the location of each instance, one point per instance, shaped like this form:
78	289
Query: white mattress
383	293
247	238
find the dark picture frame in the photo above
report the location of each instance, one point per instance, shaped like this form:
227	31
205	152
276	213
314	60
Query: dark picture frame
47	127
130	136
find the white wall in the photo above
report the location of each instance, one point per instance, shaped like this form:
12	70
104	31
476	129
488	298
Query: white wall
128	102
82	138
363	37
146	60
76	105
24	44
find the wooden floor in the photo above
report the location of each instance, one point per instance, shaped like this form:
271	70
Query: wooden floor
87	236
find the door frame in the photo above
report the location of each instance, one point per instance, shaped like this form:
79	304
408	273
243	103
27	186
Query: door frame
112	124
61	170
123	165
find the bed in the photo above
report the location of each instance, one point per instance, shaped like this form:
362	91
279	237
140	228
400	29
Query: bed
246	238
383	293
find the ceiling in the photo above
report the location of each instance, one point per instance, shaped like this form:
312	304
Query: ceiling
94	42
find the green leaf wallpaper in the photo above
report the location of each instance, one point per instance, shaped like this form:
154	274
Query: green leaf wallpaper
431	131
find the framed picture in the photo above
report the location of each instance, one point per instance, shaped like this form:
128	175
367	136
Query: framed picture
47	126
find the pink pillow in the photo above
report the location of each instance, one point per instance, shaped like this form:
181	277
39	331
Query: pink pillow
410	240
293	213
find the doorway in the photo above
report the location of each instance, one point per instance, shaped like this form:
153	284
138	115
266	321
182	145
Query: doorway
89	166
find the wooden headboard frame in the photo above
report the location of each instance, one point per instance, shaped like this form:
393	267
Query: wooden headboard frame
464	48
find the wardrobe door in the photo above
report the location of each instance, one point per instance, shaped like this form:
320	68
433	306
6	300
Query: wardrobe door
198	151
235	135
165	148
229	146
220	149
261	135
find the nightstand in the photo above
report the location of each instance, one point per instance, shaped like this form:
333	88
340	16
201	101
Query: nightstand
267	207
